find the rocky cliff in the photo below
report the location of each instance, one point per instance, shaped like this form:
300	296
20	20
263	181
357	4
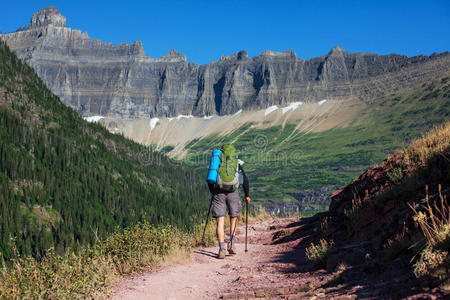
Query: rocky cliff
97	78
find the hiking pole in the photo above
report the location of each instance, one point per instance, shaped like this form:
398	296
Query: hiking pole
246	223
207	220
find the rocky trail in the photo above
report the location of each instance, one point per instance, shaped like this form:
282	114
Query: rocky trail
275	267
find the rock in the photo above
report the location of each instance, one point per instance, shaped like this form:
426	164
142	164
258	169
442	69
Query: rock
48	16
334	260
97	78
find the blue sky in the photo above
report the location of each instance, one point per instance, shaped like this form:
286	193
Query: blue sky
206	30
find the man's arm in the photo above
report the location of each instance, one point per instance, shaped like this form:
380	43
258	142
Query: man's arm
211	188
246	184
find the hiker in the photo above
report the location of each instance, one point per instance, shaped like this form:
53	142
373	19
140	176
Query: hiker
225	194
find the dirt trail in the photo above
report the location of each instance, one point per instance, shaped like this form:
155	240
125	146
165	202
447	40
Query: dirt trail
267	270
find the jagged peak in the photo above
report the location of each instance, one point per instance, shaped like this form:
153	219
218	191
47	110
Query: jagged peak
173	56
174	53
47	16
336	50
241	55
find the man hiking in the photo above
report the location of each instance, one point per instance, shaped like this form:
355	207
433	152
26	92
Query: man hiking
225	194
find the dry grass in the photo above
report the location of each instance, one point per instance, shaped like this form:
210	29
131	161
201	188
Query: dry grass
434	221
433	214
175	256
259	214
318	253
93	271
436	142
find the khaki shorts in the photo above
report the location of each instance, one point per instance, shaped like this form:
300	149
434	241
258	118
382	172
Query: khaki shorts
223	200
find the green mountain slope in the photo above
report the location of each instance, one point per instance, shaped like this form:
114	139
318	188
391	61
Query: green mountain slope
65	182
294	169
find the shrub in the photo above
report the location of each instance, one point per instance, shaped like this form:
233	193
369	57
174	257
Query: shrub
395	175
141	246
319	253
210	234
83	275
91	272
434	221
429	260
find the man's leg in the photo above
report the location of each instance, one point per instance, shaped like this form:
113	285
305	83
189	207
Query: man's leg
219	211
221	237
234	205
233	227
220	229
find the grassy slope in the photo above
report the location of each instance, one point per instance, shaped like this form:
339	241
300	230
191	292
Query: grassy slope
332	158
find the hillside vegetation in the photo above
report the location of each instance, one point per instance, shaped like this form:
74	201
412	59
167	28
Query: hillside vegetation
290	168
396	213
65	183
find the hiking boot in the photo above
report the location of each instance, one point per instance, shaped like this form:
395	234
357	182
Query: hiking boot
222	253
231	248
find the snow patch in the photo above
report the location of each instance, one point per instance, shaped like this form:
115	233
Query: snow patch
208	117
322	101
238	112
179	117
291	106
94	118
270	110
153	122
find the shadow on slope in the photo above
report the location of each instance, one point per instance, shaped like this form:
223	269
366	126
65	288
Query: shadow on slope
372	225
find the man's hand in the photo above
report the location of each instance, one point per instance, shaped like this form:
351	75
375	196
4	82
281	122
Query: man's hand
247	199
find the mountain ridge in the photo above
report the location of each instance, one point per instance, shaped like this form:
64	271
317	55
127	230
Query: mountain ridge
121	81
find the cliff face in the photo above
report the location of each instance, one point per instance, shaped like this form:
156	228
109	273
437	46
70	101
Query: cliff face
97	78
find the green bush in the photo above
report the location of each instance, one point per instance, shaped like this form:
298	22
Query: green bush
319	253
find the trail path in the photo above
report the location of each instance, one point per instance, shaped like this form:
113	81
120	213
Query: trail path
267	270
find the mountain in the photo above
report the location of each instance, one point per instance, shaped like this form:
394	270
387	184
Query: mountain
297	155
65	183
120	81
303	127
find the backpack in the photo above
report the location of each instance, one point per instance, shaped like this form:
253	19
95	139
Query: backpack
227	180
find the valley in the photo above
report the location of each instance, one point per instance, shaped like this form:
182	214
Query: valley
297	158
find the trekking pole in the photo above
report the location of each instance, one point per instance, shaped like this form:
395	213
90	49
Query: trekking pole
207	220
246	223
